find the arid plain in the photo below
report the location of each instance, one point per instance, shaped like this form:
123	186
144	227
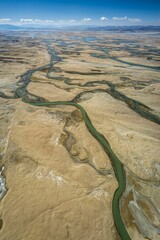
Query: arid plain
56	180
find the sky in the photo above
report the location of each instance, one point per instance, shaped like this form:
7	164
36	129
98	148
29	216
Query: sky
80	12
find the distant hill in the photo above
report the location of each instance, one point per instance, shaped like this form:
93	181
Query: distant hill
8	27
126	28
133	29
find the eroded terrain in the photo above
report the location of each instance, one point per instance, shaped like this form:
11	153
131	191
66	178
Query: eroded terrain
60	168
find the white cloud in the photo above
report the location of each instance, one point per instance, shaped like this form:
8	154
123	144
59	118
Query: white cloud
48	21
30	20
4	20
87	19
72	20
120	19
104	19
134	20
126	19
26	20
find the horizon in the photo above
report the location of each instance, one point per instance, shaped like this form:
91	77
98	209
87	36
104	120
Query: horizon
80	26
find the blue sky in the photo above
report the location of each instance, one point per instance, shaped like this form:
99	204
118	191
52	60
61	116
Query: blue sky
101	12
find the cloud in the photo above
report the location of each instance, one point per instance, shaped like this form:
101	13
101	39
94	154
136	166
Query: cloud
27	20
48	21
104	19
72	21
120	19
30	20
134	20
87	19
126	19
4	20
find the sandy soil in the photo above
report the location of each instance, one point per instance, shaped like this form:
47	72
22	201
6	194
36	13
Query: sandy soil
59	183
